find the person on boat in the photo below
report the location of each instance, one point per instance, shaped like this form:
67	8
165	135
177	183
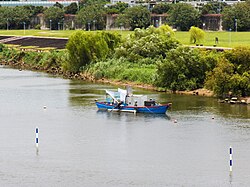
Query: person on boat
119	104
135	103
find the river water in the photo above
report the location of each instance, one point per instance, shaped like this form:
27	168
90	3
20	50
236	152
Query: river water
79	146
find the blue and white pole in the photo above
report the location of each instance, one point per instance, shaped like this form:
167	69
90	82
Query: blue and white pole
231	159
37	139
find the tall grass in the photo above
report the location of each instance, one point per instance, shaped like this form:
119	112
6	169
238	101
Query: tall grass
121	69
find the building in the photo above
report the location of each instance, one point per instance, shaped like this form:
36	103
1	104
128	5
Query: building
36	3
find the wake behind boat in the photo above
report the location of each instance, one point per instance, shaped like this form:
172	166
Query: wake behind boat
125	101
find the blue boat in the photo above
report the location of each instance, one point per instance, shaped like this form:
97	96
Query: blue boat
125	101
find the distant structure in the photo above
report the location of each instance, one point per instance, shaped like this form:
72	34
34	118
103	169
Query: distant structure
45	3
212	22
195	3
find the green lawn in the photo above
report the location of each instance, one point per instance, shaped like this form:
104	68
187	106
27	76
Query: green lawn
226	39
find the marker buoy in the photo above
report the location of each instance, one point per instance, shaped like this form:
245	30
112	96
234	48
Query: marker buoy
231	159
37	139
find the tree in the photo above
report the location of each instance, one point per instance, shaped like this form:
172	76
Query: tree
5	13
196	34
240	84
231	74
87	47
59	5
117	8
218	79
147	43
236	16
53	15
161	8
240	57
71	9
182	69
135	17
240	81
14	17
183	16
213	7
34	10
83	3
92	16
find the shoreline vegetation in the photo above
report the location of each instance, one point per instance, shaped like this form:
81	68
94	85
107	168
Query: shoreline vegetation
57	71
149	58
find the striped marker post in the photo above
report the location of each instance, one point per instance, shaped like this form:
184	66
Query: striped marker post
37	139
231	159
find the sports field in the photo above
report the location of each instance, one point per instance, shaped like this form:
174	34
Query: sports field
226	39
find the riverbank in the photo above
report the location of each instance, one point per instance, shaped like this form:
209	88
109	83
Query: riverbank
58	71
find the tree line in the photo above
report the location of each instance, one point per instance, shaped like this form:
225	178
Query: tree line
91	14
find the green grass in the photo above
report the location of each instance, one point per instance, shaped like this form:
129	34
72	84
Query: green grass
226	39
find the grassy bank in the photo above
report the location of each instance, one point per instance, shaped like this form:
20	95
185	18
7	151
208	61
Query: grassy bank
226	39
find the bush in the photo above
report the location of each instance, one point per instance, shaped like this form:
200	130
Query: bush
38	27
121	69
1	47
147	43
87	47
184	69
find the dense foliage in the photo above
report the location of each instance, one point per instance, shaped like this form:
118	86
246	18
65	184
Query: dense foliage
183	16
53	16
184	69
86	47
152	56
135	60
232	74
135	17
213	7
123	70
71	9
92	16
196	34
14	17
161	8
147	43
117	8
45	60
237	17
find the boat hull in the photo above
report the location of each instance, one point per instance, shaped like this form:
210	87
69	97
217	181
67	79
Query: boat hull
157	109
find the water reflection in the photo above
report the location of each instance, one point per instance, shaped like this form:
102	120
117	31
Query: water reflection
85	93
131	116
81	146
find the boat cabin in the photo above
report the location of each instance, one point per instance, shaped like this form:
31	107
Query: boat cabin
127	98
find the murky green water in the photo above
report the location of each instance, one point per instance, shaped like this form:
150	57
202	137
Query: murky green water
79	146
